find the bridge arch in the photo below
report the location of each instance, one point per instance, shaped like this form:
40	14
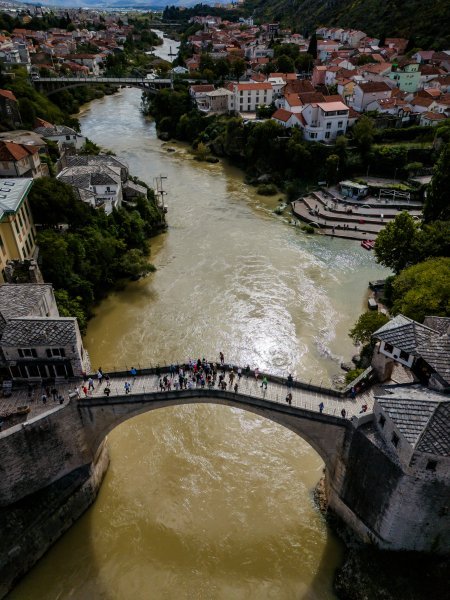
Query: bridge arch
72	435
325	433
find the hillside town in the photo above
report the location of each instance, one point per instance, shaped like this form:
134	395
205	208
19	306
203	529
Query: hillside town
352	74
348	135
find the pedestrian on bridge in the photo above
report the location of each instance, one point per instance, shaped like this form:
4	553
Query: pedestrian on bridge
239	372
107	391
100	376
289	398
90	384
256	373
264	383
127	387
290	380
222	358
343	413
133	373
321	407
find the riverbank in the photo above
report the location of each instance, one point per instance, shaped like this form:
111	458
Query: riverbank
367	573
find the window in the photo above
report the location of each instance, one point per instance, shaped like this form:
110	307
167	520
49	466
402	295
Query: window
27	352
395	439
382	421
1	242
313	135
328	125
389	348
55	352
67	137
20	219
431	465
404	355
17	227
340	124
327	135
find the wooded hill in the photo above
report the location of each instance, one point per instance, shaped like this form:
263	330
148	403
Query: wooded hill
427	23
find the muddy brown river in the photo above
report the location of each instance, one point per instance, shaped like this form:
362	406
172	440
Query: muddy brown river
207	502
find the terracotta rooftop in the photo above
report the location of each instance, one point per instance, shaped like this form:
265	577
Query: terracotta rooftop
10	151
282	115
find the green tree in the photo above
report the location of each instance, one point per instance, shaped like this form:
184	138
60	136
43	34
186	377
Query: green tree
27	112
304	62
363	133
53	202
437	202
433	239
71	307
135	264
366	325
423	290
238	68
395	245
332	167
285	64
312	48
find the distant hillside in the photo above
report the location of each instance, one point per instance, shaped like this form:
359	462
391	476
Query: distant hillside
427	22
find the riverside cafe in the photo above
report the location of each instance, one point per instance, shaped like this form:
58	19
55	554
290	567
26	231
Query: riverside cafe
351	189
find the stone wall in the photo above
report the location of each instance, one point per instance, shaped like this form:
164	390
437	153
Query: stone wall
35	523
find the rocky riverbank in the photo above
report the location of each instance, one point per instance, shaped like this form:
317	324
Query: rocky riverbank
371	574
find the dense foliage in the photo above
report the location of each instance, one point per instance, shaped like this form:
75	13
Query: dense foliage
366	325
423	289
393	18
84	251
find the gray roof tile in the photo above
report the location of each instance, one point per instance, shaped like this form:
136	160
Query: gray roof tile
30	332
421	415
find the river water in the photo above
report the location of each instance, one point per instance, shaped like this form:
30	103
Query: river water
208	502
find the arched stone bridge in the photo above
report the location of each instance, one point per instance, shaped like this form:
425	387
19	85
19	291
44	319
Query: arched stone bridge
64	438
56	459
52	85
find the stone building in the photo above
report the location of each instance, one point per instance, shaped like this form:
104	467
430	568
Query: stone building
412	431
37	348
35	342
423	349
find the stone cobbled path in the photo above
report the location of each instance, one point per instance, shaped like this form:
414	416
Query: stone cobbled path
144	384
275	392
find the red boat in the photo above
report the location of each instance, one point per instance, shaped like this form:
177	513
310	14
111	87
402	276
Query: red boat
368	244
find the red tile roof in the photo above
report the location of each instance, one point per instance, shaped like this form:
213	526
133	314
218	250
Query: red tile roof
8	95
10	151
282	115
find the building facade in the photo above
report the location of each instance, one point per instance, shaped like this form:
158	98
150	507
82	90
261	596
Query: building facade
17	231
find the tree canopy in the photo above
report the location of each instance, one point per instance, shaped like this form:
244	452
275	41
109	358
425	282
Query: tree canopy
423	289
394	247
437	203
86	257
366	325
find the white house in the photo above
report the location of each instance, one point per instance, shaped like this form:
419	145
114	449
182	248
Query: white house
63	135
365	93
324	121
248	96
100	186
286	119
